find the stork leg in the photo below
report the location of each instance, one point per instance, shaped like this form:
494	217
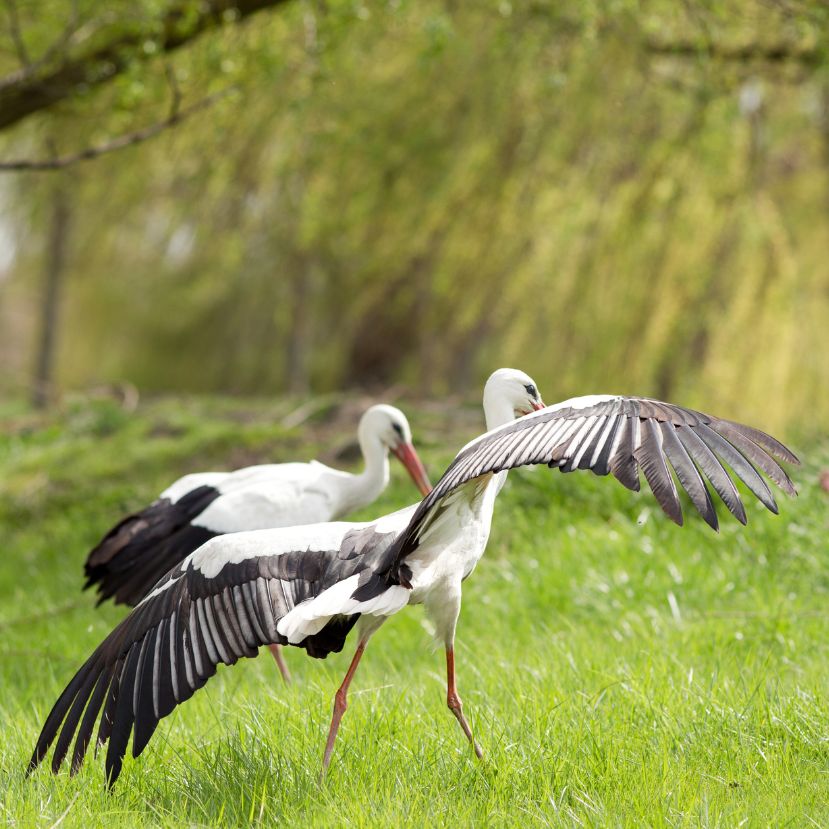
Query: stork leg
454	701
340	705
276	652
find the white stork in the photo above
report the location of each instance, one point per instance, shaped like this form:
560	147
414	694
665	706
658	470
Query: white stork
308	586
145	546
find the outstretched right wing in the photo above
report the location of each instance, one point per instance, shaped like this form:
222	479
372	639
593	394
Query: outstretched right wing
233	595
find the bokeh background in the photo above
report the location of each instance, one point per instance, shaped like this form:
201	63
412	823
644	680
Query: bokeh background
624	196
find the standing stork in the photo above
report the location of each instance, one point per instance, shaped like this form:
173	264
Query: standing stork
308	586
143	547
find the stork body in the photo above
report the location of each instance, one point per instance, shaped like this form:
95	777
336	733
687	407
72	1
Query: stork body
140	549
308	586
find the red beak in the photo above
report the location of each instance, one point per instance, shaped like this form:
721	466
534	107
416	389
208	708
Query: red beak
407	455
537	406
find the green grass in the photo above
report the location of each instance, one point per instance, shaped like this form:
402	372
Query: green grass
618	670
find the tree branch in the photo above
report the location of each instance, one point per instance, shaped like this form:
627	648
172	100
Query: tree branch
131	138
16	35
24	93
739	53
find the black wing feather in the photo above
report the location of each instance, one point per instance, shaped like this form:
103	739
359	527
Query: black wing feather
142	547
89	717
170	644
745	471
650	457
688	475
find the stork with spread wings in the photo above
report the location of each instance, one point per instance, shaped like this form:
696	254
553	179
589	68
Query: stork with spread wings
308	586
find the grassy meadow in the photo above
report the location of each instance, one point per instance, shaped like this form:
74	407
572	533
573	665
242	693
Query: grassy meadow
618	670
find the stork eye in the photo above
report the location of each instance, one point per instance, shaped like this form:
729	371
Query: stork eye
531	390
397	428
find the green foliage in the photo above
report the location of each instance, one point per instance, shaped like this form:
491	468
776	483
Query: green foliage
419	192
618	670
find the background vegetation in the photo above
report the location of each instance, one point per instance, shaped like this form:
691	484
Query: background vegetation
628	196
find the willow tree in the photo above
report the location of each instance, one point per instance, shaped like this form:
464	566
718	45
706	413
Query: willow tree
626	196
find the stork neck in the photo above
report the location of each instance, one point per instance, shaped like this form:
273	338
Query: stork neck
497	411
369	483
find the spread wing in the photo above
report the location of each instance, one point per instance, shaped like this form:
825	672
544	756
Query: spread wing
621	436
234	594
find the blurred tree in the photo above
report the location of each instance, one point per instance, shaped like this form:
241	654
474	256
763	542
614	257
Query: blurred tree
417	192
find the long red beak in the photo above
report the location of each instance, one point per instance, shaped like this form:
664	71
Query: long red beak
407	455
538	406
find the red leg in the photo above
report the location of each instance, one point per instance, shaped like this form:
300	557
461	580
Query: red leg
454	701
340	704
276	652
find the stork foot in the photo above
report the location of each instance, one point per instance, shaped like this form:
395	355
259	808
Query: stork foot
456	707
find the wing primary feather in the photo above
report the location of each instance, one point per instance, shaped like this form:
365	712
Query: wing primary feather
652	460
758	455
89	717
143	711
73	716
56	716
713	470
688	474
234	625
742	468
122	720
164	697
229	625
108	716
766	441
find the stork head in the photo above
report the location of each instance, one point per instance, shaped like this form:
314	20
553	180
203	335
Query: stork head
389	426
509	393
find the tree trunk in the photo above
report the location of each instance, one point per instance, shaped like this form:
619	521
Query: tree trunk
55	265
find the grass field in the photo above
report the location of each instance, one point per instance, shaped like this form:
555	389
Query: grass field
618	670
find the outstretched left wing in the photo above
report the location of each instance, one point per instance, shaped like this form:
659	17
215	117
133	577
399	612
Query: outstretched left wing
234	594
621	435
